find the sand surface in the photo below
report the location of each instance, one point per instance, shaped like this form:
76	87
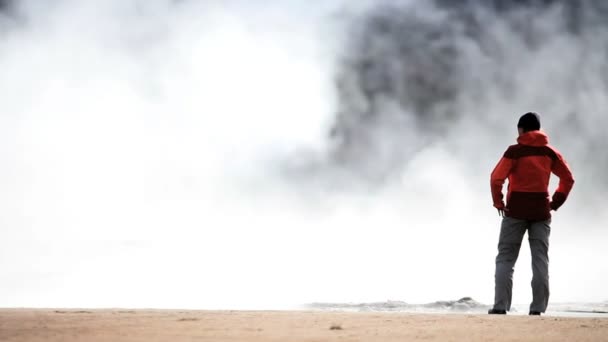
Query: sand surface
174	325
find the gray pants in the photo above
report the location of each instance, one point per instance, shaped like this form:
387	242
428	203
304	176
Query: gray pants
511	235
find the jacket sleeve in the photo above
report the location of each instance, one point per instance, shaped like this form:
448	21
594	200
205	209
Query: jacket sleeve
566	182
497	180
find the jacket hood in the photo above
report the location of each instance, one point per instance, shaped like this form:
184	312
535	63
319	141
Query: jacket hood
534	138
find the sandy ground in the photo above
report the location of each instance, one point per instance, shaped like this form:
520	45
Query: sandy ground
173	325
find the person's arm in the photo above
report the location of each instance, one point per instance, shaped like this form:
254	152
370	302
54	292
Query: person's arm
566	182
497	180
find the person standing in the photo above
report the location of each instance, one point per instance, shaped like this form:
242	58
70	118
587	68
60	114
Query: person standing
528	166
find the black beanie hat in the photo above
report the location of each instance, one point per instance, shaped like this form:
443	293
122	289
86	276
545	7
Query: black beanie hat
529	122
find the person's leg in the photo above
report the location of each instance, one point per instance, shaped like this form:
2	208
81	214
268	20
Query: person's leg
538	236
511	234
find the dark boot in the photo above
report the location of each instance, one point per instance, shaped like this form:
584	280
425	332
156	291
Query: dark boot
496	312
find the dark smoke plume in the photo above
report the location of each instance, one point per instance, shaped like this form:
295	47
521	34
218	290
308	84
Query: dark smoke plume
410	73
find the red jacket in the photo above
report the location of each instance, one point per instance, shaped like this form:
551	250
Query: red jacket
528	166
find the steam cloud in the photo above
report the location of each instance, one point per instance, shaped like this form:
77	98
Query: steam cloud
417	73
229	154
